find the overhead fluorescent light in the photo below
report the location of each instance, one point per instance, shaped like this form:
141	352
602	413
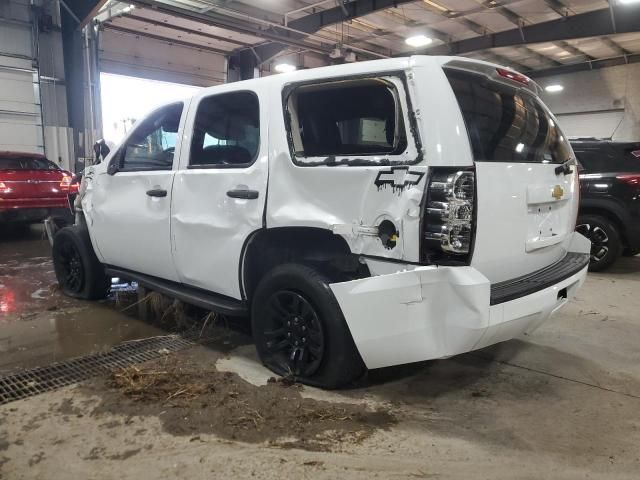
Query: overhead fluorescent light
418	41
285	68
553	88
628	2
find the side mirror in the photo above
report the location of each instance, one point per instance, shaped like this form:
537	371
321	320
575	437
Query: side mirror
101	150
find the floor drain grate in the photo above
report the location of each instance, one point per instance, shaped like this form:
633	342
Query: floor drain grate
43	379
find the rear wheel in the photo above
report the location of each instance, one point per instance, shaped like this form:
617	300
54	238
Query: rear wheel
631	252
605	240
299	329
78	271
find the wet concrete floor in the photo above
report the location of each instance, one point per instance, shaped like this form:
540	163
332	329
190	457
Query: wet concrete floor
562	403
38	324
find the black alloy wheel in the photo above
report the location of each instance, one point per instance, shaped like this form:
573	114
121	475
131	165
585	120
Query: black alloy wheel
294	333
71	269
299	329
605	240
78	271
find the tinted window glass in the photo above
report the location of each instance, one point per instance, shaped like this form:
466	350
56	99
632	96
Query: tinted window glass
609	158
153	143
26	163
348	118
505	124
226	131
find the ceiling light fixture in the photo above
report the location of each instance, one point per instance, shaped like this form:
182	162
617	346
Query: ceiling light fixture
285	68
628	2
553	88
418	41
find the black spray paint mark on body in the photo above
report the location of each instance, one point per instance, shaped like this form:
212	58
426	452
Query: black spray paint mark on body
398	178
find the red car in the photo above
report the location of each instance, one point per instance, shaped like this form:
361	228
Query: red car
32	188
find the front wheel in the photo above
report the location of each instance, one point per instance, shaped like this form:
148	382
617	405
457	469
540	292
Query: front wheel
78	271
299	329
605	240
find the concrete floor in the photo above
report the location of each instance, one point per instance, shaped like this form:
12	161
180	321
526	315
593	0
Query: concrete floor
561	403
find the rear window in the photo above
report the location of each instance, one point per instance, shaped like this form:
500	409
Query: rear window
506	124
26	163
609	158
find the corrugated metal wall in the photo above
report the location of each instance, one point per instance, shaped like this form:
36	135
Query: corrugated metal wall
21	127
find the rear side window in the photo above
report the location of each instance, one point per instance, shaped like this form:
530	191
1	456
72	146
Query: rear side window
20	162
346	118
506	124
226	132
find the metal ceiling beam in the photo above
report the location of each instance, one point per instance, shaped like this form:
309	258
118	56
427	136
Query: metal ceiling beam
532	53
222	21
138	33
317	21
567	47
520	22
586	66
590	24
614	46
190	31
502	60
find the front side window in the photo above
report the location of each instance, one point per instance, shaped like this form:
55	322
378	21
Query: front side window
346	118
153	143
226	132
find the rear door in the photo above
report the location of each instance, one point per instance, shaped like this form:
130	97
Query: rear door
527	205
220	189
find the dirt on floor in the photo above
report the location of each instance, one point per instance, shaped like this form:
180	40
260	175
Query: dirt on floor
190	396
562	403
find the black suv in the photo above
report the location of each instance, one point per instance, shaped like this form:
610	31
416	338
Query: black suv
610	198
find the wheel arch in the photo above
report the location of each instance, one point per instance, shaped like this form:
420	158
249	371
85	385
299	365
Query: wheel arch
270	247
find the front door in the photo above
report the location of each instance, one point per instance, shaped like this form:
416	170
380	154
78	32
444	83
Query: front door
131	203
220	189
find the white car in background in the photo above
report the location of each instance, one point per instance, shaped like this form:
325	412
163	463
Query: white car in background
362	215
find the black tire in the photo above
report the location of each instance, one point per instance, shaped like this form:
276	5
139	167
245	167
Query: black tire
78	271
606	245
631	252
294	304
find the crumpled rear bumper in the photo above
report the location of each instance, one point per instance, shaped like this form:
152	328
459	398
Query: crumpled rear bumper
435	312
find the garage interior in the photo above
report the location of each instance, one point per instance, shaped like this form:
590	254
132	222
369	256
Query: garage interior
563	402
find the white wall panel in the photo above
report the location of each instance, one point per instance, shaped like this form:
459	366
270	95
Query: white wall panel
139	56
602	103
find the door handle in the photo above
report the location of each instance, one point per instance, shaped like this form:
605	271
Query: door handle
246	194
157	193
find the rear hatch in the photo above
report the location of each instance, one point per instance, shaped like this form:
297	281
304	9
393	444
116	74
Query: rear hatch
526	201
29	179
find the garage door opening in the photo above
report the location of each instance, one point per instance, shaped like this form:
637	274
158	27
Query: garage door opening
127	99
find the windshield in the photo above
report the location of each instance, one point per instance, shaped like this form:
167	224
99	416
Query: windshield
507	124
21	162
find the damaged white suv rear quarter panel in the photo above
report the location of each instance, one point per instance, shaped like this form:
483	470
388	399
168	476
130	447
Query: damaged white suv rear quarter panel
351	195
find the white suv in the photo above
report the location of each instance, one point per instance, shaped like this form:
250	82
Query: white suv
362	215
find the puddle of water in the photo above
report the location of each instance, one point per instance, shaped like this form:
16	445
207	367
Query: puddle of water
38	324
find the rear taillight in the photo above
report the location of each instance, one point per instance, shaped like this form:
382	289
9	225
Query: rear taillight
630	179
4	188
68	185
449	214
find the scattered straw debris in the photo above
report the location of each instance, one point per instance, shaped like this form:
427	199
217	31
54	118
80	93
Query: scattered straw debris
191	397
